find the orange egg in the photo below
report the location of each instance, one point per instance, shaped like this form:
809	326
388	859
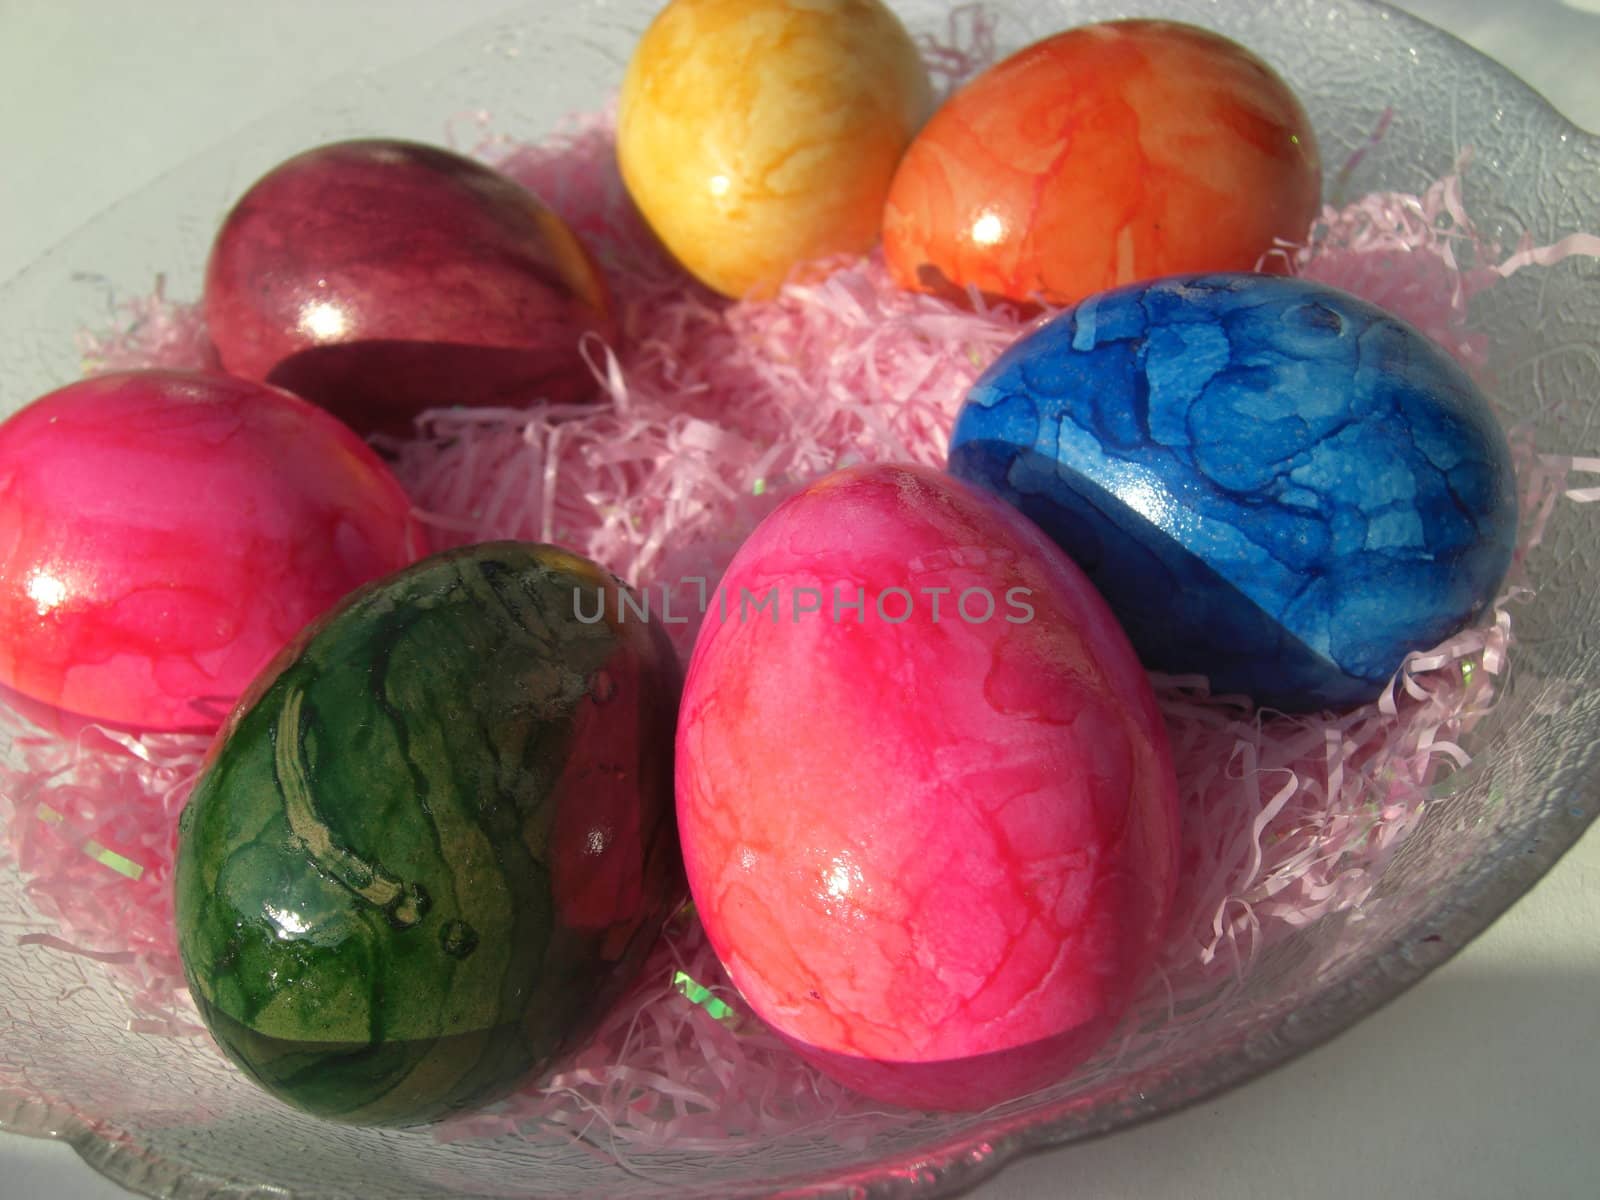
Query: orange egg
1107	154
757	135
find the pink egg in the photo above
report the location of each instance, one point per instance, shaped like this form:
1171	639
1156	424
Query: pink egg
932	835
163	534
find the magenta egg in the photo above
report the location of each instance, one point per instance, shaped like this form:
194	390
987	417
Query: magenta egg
163	534
379	278
926	802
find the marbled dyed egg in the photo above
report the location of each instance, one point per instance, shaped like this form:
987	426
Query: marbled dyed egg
1275	484
1106	154
379	278
436	840
759	135
925	797
163	534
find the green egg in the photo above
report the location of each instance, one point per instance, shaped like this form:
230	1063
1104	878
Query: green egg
436	839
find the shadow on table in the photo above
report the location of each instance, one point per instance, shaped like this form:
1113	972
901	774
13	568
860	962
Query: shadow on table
1480	1082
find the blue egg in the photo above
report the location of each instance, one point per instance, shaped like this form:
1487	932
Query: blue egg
1273	483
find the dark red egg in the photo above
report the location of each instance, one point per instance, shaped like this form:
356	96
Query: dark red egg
380	278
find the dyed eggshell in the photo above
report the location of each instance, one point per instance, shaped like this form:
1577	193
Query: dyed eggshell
1106	154
379	278
758	135
936	853
1275	484
163	534
436	840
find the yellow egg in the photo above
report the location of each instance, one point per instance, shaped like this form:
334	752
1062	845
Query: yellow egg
757	135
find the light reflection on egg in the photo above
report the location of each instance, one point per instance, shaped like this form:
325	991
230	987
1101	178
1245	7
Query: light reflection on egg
323	322
46	591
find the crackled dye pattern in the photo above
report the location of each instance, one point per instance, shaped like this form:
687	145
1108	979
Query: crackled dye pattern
429	851
1106	154
1275	484
759	135
163	534
379	278
933	839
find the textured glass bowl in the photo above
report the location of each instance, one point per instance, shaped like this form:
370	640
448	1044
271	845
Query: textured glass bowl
169	1118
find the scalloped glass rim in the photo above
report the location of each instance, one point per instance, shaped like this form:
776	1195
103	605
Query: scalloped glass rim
1348	59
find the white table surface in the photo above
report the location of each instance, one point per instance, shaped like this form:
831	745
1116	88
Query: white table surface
1483	1081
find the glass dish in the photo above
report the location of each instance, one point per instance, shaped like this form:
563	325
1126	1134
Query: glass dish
168	1117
